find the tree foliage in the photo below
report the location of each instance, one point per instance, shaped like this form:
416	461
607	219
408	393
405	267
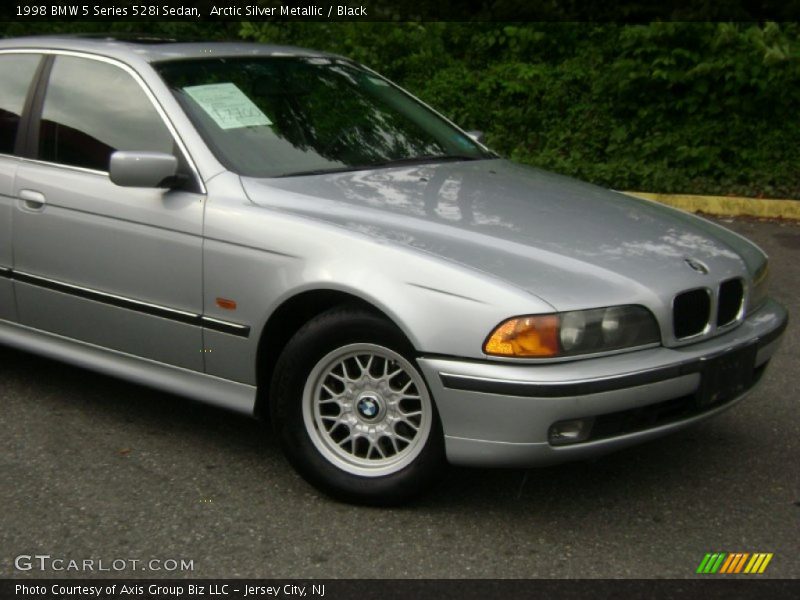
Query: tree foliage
667	106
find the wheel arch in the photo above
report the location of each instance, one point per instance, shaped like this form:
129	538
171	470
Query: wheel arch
289	316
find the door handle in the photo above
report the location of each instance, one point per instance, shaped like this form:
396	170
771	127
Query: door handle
32	200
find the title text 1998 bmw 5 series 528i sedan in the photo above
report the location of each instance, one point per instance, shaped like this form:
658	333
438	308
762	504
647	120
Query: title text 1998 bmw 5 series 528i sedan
286	233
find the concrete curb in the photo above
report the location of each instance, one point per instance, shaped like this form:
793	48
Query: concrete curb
728	206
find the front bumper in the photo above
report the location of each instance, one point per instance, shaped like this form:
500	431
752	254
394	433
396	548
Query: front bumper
500	414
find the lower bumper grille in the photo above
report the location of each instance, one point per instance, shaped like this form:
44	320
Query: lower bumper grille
654	415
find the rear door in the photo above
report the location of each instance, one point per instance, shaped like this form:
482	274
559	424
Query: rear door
112	266
16	74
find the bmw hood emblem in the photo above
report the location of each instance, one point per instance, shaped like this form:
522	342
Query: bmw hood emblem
696	265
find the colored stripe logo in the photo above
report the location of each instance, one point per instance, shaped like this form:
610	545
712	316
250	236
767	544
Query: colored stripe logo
734	563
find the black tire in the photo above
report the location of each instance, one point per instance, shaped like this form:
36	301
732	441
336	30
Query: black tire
351	335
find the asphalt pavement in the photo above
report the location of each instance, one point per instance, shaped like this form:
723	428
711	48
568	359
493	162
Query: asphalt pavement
98	469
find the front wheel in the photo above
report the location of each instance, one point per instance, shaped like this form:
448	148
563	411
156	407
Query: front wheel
353	413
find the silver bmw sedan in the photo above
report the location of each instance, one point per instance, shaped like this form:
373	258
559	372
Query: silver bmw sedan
287	234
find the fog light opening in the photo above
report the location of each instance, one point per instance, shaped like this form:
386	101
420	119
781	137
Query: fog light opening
573	431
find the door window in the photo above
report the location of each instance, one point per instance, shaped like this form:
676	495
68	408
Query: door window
16	73
91	109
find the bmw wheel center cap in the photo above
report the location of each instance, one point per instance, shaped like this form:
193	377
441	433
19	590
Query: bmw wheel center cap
368	407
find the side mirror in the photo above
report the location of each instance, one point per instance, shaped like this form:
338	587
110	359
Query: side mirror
476	135
144	169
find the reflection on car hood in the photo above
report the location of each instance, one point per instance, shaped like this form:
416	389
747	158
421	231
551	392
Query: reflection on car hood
570	243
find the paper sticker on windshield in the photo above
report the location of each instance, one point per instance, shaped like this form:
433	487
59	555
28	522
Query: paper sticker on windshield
227	105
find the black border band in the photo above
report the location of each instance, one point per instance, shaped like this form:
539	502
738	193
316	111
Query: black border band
128	304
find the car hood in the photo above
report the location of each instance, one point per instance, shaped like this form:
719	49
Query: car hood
570	243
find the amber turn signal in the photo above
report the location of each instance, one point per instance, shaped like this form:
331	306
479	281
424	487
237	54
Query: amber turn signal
226	303
535	336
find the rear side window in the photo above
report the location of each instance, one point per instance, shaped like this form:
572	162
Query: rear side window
91	109
16	74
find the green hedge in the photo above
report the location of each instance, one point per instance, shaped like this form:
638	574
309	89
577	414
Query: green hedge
669	107
666	107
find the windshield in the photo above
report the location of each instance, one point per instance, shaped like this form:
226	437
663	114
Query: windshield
280	116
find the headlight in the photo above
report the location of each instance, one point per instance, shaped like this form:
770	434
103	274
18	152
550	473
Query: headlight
759	288
574	332
611	325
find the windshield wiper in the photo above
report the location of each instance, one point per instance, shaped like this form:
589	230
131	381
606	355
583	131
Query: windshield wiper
324	171
416	160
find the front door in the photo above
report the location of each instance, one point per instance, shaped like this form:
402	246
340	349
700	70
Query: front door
116	267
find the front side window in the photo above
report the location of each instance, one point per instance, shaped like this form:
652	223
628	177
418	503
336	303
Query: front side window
290	115
91	109
16	74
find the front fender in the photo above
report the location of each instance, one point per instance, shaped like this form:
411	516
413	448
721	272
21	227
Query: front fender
260	258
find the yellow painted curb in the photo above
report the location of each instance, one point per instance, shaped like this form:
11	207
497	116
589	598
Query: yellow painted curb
728	206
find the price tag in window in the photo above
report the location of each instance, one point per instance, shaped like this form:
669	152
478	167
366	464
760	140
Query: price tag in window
227	105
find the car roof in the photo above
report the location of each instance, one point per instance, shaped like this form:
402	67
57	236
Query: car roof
152	48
